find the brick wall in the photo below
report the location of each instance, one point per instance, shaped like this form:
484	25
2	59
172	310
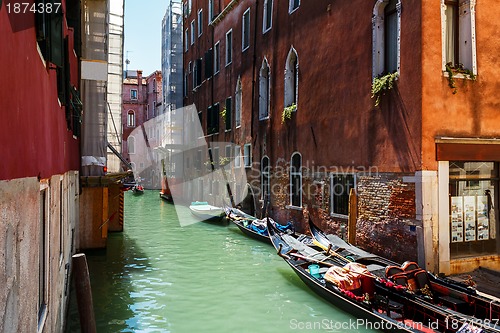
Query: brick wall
386	216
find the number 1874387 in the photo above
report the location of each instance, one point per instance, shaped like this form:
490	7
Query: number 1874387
36	8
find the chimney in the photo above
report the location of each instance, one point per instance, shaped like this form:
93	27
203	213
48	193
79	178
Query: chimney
139	86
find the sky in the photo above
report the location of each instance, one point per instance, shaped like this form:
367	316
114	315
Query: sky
143	34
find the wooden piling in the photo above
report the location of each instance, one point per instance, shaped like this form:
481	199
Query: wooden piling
84	293
353	217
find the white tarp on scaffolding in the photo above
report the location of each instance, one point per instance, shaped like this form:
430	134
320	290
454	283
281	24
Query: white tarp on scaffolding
94	48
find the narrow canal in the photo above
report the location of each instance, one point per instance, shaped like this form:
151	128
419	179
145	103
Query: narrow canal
157	276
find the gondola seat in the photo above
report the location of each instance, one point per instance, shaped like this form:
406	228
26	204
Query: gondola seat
390	306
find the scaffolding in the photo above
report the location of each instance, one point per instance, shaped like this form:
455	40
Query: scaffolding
171	58
94	57
115	79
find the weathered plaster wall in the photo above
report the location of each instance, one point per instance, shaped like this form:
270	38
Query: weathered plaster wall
19	250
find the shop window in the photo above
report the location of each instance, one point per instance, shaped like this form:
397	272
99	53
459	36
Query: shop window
340	187
473	191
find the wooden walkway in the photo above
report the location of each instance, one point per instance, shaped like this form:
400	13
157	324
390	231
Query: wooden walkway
487	280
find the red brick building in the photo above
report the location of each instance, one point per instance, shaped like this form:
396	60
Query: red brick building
290	82
142	101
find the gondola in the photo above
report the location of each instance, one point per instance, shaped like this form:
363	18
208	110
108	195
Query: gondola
166	197
371	312
138	189
257	228
455	296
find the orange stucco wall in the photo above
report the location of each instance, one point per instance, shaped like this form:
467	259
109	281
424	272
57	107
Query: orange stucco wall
474	110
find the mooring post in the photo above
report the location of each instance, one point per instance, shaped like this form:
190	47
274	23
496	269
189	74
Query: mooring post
84	293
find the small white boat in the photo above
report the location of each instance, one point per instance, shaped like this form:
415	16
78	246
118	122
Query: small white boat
204	211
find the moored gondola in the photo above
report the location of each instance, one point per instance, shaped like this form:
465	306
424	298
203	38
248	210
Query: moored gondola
419	285
251	226
312	266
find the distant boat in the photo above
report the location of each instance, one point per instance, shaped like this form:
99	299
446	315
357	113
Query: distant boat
204	211
166	196
138	189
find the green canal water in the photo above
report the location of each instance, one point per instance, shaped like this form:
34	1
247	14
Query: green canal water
157	276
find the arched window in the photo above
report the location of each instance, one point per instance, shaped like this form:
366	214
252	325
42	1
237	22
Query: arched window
265	170
296	180
291	78
131	118
264	91
237	103
386	25
131	145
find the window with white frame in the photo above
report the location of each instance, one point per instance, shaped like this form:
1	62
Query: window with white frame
296	180
131	145
131	118
264	90
186	40
265	170
133	94
210	10
200	22
293	5
192	32
237	156
228	114
291	78
247	155
340	188
267	21
217	58
186	78
238	98
229	47
43	255
386	25
229	150
245	30
459	40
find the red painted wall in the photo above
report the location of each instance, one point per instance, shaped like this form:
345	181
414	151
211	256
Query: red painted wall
34	139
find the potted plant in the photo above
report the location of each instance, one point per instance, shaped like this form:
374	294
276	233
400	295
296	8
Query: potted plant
287	112
381	84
